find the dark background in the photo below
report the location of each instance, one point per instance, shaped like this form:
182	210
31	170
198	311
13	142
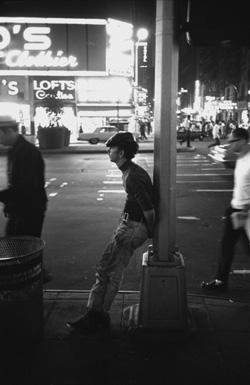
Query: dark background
138	12
216	63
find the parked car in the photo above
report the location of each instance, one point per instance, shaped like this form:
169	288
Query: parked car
100	134
195	133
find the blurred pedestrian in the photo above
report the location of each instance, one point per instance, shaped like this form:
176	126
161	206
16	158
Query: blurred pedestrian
223	129
240	206
232	126
205	130
210	129
149	128
136	225
24	199
187	125
143	130
216	132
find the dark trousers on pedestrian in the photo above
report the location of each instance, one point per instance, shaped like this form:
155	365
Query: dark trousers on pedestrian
229	241
29	224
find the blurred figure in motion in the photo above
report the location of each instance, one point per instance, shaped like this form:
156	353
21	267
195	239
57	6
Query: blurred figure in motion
239	208
143	130
25	198
187	125
216	132
149	127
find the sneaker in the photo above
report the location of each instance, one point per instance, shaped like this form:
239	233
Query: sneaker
93	321
216	284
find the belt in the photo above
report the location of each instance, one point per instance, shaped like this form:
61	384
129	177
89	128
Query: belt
130	217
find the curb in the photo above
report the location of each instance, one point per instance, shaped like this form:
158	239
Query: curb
76	294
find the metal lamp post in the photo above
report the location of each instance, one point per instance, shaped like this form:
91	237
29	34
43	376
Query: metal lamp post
163	294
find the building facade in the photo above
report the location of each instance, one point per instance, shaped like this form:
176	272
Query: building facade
88	63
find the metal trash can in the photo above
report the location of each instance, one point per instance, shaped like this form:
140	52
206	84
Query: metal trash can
21	288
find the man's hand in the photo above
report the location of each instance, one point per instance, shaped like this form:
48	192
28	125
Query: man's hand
150	221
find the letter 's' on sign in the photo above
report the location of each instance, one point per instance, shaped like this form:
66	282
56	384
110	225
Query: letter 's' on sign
37	38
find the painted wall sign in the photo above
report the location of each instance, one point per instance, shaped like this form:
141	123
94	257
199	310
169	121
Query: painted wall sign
34	46
64	87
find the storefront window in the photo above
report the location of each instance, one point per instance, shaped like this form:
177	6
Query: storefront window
19	112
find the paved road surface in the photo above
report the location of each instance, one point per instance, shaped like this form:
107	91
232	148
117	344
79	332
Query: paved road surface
86	198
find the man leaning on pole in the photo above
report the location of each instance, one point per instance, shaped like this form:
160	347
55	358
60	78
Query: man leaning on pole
135	227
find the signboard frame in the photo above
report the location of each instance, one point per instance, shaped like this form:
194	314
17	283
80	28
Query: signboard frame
47	21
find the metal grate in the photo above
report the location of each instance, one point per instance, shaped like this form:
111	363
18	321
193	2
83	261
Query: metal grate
13	247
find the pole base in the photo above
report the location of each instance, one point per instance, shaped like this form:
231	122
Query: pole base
131	325
163	303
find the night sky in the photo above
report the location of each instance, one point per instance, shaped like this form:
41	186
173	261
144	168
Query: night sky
138	12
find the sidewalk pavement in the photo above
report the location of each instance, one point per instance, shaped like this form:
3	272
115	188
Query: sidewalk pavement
80	147
216	352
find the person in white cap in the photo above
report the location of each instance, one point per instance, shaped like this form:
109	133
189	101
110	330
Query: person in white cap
135	227
24	198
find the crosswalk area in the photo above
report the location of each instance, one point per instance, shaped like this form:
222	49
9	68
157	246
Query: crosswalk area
202	174
203	191
193	172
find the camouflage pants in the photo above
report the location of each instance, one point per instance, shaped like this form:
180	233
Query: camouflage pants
128	236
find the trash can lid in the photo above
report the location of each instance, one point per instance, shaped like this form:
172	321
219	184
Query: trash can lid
16	247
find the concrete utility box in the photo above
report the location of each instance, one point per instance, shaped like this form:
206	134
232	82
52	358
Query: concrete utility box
163	301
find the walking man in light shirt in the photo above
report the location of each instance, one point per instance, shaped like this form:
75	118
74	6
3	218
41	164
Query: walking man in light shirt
216	134
240	203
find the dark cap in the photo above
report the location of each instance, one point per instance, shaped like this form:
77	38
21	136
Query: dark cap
120	138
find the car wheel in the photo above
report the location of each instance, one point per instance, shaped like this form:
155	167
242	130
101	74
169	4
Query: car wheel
93	141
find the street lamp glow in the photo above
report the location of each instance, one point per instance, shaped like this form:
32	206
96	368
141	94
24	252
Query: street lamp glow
142	34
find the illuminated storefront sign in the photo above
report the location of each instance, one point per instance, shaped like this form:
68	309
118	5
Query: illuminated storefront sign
142	54
120	55
104	90
13	88
106	113
17	58
226	105
64	88
56	46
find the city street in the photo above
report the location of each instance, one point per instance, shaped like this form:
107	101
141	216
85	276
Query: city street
85	200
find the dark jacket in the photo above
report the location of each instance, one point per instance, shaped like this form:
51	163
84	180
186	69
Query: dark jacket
26	184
